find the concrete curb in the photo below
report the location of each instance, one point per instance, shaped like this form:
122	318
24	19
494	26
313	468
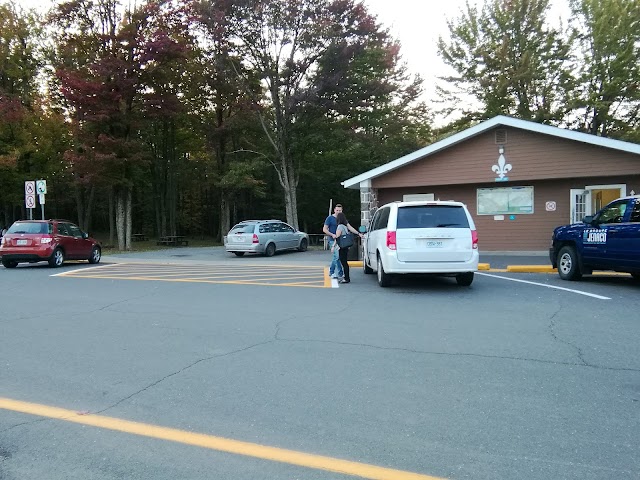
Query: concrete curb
487	267
531	269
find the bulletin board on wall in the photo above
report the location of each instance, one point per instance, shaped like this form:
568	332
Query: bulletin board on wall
505	201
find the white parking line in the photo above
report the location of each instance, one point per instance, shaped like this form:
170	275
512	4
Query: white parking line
579	292
61	274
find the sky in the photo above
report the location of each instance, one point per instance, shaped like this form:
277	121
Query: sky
419	23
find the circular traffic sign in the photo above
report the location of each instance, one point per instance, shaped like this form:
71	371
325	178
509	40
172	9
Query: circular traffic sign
29	188
31	201
41	187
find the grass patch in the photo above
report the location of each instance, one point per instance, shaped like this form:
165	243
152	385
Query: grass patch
150	245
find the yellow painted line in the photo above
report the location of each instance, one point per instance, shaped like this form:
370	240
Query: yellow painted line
327	278
315	283
484	266
187	280
221	444
268	279
224	265
355	263
212	274
233	268
531	269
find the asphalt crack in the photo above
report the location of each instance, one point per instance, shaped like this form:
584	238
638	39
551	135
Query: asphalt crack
554	335
178	372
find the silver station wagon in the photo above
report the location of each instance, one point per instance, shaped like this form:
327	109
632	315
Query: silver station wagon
265	237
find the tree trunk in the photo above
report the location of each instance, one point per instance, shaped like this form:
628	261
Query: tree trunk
120	218
84	206
225	215
123	217
128	219
80	205
88	213
289	184
112	219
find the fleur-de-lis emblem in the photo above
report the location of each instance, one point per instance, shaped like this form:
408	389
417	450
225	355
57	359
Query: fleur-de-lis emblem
502	168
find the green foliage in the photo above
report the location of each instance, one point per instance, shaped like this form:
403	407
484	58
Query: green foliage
508	61
608	98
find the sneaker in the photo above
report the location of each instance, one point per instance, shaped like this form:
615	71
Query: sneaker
342	280
333	275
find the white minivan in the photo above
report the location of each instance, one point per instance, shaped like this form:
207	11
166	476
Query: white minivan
437	237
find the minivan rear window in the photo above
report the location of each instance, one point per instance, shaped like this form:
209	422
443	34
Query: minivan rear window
432	216
243	228
29	227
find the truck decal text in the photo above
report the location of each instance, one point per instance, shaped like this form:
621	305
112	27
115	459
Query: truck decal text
594	236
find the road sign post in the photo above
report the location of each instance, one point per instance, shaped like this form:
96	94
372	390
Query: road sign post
41	188
30	196
41	199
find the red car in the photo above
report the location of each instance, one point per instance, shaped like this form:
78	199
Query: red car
53	241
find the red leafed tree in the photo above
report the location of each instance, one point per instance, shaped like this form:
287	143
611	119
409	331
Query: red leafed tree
108	59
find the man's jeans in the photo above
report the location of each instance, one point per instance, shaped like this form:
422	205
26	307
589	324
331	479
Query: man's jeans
336	266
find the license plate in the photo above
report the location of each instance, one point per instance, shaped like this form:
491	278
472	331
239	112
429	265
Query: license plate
434	244
238	239
22	242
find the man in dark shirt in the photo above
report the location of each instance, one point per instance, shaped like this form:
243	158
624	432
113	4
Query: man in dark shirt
329	229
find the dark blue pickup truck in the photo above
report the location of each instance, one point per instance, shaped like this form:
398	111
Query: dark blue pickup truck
608	240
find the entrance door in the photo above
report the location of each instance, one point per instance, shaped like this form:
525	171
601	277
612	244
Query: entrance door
580	204
590	199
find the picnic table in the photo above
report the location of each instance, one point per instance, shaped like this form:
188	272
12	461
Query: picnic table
174	241
139	237
318	239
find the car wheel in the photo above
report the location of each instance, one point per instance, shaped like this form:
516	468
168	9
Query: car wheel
568	267
304	244
9	263
239	254
366	268
96	255
57	258
384	279
464	279
270	250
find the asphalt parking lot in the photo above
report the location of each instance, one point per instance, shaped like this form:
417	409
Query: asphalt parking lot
192	364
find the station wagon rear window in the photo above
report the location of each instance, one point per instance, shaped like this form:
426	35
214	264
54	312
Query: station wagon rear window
33	228
432	216
243	228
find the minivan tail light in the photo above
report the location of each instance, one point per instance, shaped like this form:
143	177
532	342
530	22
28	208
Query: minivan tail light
474	239
391	240
255	238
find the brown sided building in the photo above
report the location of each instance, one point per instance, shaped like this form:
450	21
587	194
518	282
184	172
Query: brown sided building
519	179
